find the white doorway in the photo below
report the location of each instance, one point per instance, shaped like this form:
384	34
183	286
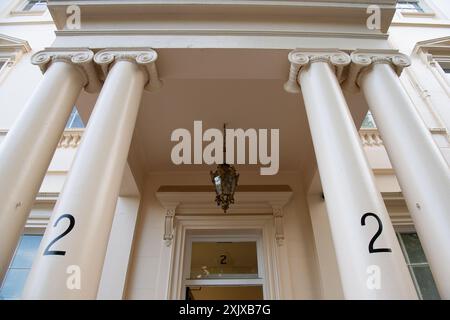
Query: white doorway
227	257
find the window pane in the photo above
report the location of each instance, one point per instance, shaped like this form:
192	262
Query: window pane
412	6
35	5
14	283
215	260
77	123
413	248
368	121
26	251
20	267
426	282
28	6
74	120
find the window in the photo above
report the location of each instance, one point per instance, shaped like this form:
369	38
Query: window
418	265
74	120
20	266
368	122
409	6
446	68
34	5
222	260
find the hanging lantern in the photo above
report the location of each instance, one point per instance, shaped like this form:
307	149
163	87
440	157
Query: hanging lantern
225	180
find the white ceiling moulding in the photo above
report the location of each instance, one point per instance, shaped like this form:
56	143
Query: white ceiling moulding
199	201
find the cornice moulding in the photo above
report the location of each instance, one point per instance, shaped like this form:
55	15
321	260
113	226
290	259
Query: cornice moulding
27	22
435	46
10	44
200	199
422	24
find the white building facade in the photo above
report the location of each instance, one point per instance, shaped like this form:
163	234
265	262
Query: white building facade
92	205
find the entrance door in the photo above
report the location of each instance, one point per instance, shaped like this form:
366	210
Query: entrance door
223	267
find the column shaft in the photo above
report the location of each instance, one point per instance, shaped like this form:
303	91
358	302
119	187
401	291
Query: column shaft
422	172
355	208
85	209
28	148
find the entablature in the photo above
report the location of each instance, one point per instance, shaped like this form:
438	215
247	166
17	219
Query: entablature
342	18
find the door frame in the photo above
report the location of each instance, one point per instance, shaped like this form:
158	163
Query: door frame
219	226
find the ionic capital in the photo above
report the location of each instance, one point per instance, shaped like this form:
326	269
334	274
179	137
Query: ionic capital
144	57
301	58
364	60
80	58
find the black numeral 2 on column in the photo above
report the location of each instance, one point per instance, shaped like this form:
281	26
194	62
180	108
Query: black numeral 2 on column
376	235
47	251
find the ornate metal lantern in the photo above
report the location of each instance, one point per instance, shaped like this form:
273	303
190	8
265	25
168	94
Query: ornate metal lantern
225	180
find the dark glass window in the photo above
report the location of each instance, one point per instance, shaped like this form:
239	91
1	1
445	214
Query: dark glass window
418	266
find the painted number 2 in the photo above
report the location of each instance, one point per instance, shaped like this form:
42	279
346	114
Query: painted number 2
376	235
47	251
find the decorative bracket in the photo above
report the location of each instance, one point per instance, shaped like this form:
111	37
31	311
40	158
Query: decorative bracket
169	225
278	222
301	58
80	58
144	57
364	60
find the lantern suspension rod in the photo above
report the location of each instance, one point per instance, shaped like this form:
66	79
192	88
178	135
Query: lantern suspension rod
224	144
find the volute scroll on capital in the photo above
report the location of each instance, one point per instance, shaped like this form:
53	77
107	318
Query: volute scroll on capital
144	57
81	58
300	58
364	60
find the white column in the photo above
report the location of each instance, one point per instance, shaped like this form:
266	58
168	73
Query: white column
422	172
70	259
370	266
28	148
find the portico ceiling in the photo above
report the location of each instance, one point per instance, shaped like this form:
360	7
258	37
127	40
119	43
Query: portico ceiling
243	88
222	61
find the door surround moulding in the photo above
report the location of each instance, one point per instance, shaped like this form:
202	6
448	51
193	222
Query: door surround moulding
257	200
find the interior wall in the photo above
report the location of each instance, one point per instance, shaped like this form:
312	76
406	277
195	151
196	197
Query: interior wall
148	275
